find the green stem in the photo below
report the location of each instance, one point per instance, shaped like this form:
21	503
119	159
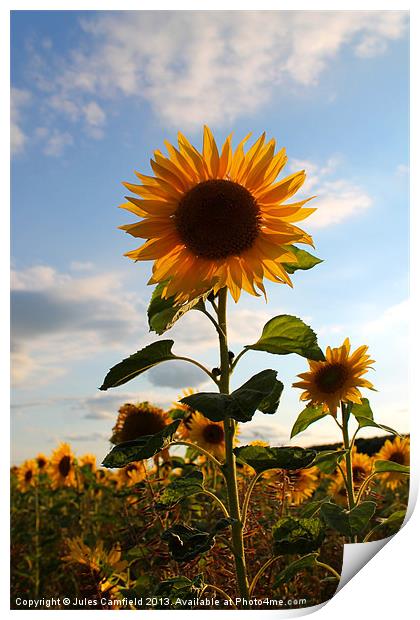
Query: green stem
248	497
195	446
349	465
329	569
238	357
363	487
210	586
203	368
261	571
230	464
216	499
37	545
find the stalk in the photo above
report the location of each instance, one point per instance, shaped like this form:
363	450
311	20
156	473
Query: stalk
37	541
230	464
349	466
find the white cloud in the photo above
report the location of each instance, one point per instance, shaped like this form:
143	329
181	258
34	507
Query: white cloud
336	199
204	66
57	142
19	99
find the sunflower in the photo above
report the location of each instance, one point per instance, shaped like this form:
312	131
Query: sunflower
183	430
61	467
131	474
301	484
41	461
362	465
138	420
397	451
88	461
336	379
207	434
217	219
27	475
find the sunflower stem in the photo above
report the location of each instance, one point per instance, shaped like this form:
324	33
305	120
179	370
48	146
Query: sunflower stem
230	464
195	446
349	465
248	496
203	368
216	499
238	357
37	541
329	568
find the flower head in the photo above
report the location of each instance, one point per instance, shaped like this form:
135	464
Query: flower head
207	434
397	451
61	467
361	468
27	475
336	379
138	420
217	219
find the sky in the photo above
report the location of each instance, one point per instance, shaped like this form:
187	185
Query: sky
93	95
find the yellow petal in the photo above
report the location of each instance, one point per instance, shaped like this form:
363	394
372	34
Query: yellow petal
210	153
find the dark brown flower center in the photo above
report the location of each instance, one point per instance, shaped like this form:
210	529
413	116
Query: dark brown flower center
28	475
359	474
41	462
64	466
397	457
331	378
213	433
140	424
218	218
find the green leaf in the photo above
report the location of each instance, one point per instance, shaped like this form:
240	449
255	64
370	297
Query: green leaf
310	509
364	415
327	461
181	588
286	334
262	392
262	458
138	363
142	448
164	313
363	422
189	484
186	543
295	535
304	260
294	568
381	467
307	417
348	522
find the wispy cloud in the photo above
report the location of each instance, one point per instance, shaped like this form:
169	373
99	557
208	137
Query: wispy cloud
199	66
19	99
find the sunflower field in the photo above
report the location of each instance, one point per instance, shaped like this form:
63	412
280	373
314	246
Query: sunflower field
182	514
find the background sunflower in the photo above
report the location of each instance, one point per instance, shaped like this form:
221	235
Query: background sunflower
61	467
397	451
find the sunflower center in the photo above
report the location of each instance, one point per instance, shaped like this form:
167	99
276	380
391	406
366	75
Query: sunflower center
359	474
28	476
213	433
397	457
64	466
41	463
331	378
218	218
140	424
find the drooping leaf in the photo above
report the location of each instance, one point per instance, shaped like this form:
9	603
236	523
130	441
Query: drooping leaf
389	526
188	484
364	415
348	522
142	448
327	460
286	334
185	542
294	568
389	466
163	313
262	392
363	422
310	509
181	591
263	458
298	535
304	260
307	417
138	363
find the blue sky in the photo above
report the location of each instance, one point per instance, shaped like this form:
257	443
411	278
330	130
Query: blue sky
94	93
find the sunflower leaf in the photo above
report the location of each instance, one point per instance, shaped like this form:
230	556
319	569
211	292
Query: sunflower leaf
138	363
307	561
304	260
189	484
364	415
327	461
181	589
348	522
263	458
286	334
261	392
381	467
142	448
163	313
298	535
307	417
186	543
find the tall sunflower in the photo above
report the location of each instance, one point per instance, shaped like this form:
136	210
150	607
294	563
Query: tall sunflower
138	420
361	468
336	379
61	467
217	219
27	475
397	451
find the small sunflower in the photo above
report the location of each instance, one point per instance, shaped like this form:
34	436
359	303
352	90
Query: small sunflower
41	461
207	434
131	474
138	420
336	379
217	219
88	461
27	475
362	465
61	467
397	451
